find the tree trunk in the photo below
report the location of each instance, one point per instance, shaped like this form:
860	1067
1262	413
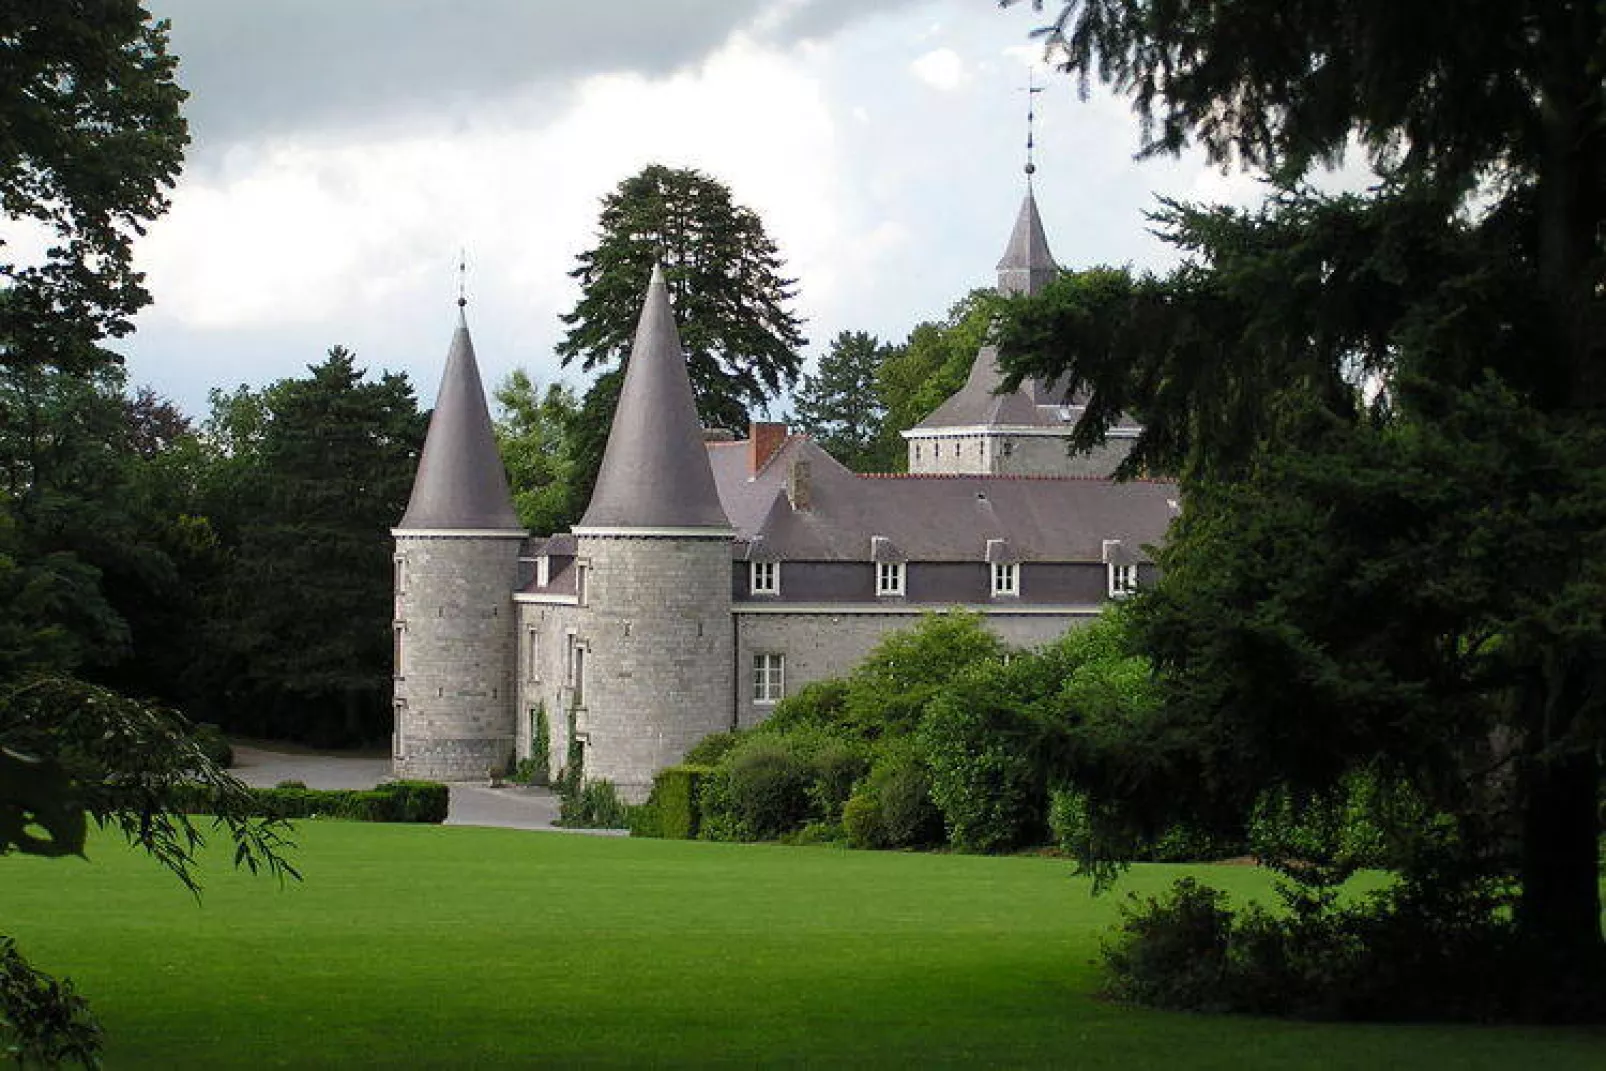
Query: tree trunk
1559	913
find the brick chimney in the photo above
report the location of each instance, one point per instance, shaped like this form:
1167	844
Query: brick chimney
763	439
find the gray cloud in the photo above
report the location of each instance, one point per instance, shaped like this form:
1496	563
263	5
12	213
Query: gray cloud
256	69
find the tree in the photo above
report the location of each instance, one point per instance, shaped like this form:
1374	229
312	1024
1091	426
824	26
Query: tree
93	140
302	611
931	365
1407	383
730	298
533	432
839	404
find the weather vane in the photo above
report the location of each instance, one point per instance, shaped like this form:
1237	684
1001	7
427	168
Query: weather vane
462	277
1031	117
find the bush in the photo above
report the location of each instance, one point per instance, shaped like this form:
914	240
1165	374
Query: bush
213	744
1171	951
1367	820
758	792
672	809
390	801
536	769
712	748
1070	823
982	778
597	805
893	807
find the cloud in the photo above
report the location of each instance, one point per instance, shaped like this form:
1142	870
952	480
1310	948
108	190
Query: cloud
941	68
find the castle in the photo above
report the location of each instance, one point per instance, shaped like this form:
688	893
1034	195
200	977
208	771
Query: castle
710	577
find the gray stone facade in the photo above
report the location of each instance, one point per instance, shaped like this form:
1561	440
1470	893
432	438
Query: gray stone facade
1010	452
455	654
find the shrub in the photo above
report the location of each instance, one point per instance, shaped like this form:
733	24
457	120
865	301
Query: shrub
834	768
1367	820
213	744
759	791
820	704
390	801
893	807
536	769
982	778
712	748
597	805
1171	951
1070	823
672	809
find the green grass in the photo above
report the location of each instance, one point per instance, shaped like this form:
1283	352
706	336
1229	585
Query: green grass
427	946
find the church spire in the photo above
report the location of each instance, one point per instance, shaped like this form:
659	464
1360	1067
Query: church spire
461	484
1027	265
655	472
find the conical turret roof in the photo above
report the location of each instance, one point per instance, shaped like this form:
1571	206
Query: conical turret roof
1027	265
460	483
655	472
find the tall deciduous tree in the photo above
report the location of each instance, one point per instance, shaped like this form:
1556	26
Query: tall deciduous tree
1428	582
934	362
534	429
727	284
839	404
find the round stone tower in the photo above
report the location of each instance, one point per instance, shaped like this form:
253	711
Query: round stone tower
457	549
654	591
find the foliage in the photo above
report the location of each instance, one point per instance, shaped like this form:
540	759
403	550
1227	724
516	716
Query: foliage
931	365
892	808
1364	821
390	801
595	805
317	469
890	688
1072	824
43	1020
731	301
713	747
213	744
840	406
673	809
1386	399
536	768
534	429
759	791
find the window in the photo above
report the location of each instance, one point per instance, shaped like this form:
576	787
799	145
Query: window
764	577
769	677
532	654
401	574
582	572
1123	580
577	672
543	571
889	578
1006	578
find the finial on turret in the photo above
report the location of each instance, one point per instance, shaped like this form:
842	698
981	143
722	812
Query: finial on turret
462	277
1031	117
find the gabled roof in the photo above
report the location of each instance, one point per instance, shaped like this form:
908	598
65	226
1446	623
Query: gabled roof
934	518
1027	265
460	482
655	471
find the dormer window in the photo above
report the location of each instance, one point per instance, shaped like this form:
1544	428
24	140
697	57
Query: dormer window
1006	578
889	578
764	578
1123	580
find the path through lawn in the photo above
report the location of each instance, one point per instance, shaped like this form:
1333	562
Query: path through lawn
427	946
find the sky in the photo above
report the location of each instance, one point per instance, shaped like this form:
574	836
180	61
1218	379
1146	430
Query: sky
345	153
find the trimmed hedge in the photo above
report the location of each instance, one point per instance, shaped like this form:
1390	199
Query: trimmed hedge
673	810
391	801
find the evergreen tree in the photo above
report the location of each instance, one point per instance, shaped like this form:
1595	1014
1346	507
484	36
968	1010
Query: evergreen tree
1385	412
926	370
839	404
731	301
302	613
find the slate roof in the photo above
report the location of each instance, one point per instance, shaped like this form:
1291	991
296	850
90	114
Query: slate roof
460	482
932	517
1027	265
654	471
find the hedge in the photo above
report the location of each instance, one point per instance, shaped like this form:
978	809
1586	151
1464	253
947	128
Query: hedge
674	808
390	801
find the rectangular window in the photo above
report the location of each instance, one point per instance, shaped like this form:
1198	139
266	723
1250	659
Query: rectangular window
532	654
769	677
1006	578
582	572
889	578
1123	580
577	672
401	574
764	578
396	651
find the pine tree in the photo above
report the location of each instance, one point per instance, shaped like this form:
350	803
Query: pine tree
839	404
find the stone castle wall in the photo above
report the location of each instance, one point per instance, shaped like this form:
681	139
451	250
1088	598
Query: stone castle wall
656	626
456	651
1003	454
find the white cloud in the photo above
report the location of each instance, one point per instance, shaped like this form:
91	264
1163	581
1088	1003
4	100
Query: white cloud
941	68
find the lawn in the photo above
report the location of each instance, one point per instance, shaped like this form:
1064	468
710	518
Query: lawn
448	947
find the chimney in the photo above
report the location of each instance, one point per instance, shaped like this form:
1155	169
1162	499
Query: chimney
763	439
797	485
